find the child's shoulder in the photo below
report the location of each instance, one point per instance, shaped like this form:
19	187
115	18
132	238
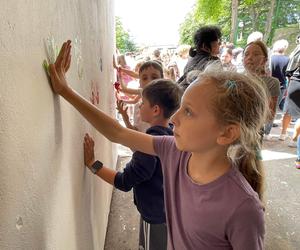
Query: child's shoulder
159	130
242	186
270	80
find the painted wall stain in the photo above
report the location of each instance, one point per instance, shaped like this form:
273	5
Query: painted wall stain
19	222
78	57
95	97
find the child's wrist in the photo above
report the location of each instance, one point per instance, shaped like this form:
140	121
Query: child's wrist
65	90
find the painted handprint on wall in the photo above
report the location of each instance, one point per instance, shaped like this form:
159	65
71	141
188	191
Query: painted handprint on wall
78	56
52	51
95	97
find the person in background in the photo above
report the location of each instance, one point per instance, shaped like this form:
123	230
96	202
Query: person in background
279	62
296	137
122	64
143	174
213	180
226	58
156	55
148	72
182	57
255	61
291	107
237	59
255	36
207	42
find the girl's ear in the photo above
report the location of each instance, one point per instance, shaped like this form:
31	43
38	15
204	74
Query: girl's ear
230	134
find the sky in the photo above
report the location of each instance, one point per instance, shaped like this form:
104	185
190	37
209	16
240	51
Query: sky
153	22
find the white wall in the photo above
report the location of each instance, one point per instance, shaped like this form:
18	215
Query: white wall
48	200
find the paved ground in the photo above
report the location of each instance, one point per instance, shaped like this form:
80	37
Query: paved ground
282	202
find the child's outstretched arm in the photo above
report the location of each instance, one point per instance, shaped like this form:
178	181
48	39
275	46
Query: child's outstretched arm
124	70
130	91
129	72
107	126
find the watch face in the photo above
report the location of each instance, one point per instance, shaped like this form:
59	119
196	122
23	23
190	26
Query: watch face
94	170
96	166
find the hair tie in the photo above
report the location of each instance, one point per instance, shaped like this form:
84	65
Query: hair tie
258	154
231	84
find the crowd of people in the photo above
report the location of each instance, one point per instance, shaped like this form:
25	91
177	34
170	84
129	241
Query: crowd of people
196	126
268	64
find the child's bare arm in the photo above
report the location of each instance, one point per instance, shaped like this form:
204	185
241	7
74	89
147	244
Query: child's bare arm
107	126
124	88
129	72
130	91
132	101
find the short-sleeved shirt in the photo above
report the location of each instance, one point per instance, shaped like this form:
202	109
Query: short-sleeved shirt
272	84
223	214
278	68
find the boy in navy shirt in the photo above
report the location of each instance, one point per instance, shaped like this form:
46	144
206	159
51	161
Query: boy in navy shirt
160	99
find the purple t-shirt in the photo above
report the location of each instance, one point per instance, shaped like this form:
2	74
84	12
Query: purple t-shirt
223	214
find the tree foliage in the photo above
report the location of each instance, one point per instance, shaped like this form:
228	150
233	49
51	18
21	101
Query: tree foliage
187	29
124	42
252	16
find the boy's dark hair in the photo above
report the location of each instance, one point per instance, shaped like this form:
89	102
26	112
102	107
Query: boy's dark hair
204	36
153	64
164	93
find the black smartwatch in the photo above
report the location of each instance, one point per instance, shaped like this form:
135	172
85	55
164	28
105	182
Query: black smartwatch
97	165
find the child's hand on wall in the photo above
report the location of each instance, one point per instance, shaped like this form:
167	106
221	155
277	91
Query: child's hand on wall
88	146
60	67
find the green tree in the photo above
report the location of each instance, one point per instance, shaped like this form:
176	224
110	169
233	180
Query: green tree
188	28
124	41
252	15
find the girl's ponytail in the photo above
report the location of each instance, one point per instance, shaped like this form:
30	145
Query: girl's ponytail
250	165
192	52
241	100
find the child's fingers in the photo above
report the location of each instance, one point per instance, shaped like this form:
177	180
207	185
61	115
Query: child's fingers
120	104
52	71
90	140
65	53
59	58
87	139
68	58
53	75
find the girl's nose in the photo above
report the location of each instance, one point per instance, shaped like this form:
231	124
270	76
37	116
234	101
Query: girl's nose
174	118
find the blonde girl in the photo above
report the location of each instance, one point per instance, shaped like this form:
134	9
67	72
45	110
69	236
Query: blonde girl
213	180
255	61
